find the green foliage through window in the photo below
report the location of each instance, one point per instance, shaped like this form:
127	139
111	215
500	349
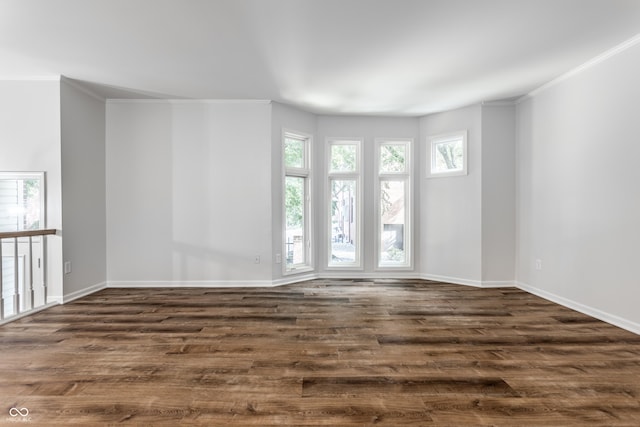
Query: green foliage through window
294	153
392	158
294	202
343	158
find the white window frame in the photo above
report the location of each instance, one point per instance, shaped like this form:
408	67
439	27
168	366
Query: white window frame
432	143
40	176
306	173
356	176
407	177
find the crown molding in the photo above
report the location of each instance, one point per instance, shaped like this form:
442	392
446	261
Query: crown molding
627	44
78	86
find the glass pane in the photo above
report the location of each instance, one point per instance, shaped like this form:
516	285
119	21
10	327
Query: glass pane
294	213
19	204
447	156
343	222
392	211
294	153
343	158
392	158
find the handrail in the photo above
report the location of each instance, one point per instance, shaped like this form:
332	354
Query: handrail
26	233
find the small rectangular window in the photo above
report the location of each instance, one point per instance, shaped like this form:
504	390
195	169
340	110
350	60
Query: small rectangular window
393	158
343	157
448	154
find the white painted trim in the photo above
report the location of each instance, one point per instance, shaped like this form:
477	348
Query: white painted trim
192	284
83	292
28	313
467	282
585	309
454	280
55	299
498	284
346	274
82	88
294	279
583	67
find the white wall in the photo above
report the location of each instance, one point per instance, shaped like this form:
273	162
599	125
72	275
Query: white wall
83	189
30	141
578	201
450	207
285	118
188	192
498	194
367	128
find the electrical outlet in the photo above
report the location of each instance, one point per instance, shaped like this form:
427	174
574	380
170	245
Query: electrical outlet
67	267
538	264
256	260
278	258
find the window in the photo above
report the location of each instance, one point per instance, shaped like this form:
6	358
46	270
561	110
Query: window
448	154
393	166
21	201
344	200
297	202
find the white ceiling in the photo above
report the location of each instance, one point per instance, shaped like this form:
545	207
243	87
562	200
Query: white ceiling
392	57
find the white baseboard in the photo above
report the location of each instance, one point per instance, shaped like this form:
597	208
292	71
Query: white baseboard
590	311
83	292
498	284
468	282
454	280
28	313
585	309
362	275
192	284
287	280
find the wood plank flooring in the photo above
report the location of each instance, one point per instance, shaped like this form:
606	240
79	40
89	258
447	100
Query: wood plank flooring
323	352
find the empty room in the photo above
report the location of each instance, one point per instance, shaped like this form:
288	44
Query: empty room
319	212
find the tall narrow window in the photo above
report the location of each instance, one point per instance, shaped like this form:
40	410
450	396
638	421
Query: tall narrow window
344	173
297	202
394	203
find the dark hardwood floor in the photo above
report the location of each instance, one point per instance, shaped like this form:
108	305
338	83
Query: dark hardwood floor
324	352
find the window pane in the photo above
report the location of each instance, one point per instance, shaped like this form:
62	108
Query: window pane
294	213
447	156
392	158
343	158
343	222
294	153
20	202
392	211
